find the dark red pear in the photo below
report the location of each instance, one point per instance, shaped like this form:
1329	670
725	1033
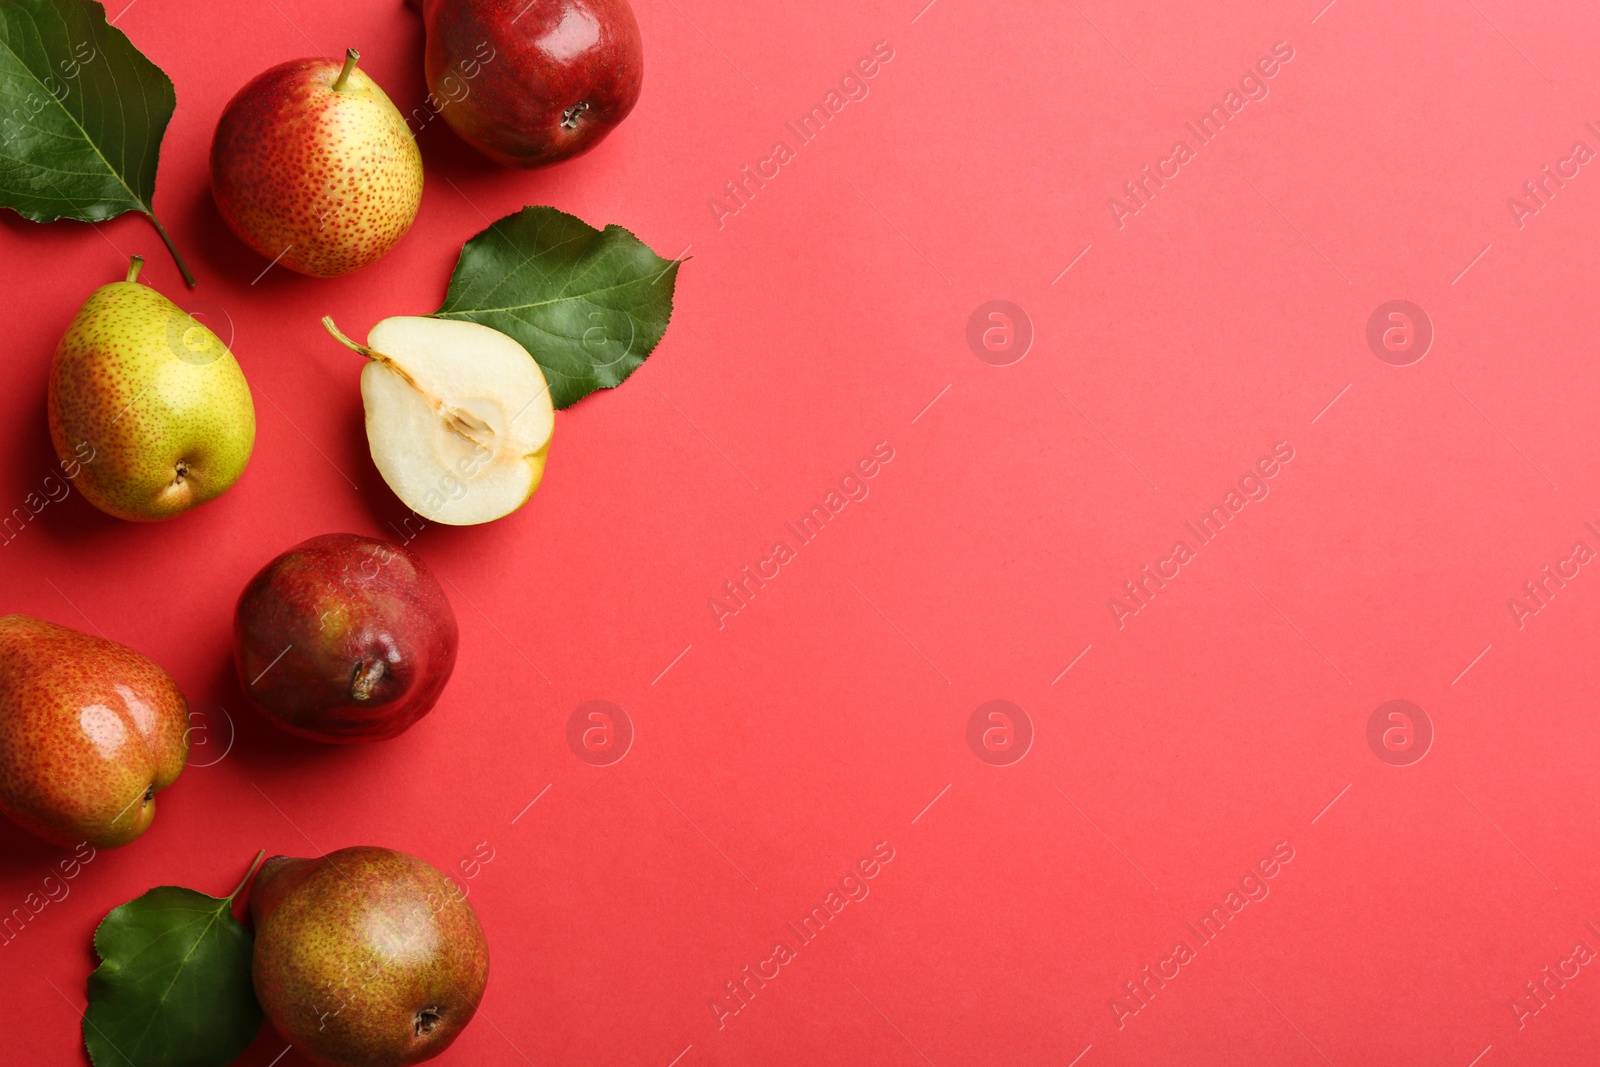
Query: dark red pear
366	957
533	82
344	638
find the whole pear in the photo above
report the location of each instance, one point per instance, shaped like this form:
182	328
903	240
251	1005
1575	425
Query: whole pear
147	404
314	168
366	957
344	638
90	731
533	82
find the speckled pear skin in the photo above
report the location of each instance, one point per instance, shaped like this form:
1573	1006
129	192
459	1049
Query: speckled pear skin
150	403
323	181
366	957
90	731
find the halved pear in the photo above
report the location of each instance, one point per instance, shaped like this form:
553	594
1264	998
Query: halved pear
458	416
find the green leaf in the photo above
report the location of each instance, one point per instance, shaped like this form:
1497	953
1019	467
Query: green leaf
588	304
82	114
174	989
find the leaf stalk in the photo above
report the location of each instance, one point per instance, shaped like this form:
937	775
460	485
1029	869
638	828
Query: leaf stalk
177	257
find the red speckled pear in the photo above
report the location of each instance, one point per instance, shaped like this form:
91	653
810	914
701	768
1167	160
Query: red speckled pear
366	957
314	168
531	82
90	731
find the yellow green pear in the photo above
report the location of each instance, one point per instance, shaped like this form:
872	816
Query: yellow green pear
148	404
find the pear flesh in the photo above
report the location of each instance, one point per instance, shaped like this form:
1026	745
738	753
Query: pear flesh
459	417
148	405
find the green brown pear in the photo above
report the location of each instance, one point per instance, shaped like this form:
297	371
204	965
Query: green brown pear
90	731
366	957
149	402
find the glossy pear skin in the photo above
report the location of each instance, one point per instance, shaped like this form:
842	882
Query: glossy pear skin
533	82
344	638
366	957
90	731
150	403
327	179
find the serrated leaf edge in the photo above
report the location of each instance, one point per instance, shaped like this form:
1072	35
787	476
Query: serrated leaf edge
141	204
106	964
671	267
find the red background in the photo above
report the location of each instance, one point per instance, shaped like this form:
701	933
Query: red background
824	718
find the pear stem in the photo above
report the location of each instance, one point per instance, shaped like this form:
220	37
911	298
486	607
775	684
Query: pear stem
452	417
351	57
367	677
354	346
134	264
166	238
248	874
372	354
